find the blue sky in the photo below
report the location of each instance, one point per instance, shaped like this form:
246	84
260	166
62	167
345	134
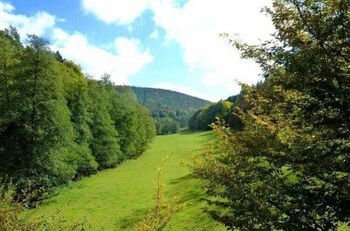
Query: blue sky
172	44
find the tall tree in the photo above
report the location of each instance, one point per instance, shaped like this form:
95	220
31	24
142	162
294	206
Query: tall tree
9	53
289	167
105	138
36	139
76	95
132	121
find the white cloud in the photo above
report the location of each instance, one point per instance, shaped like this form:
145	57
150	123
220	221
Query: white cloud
183	89
37	24
196	27
128	58
6	7
120	11
154	34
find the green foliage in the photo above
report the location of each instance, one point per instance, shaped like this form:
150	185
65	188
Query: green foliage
166	126
36	133
57	125
131	120
171	110
233	119
203	118
105	142
288	169
76	94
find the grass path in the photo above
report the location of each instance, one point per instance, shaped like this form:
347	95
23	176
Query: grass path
117	199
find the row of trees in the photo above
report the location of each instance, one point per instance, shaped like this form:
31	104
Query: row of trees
203	118
56	124
289	166
166	125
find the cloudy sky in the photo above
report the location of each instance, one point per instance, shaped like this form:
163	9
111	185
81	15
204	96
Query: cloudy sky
172	44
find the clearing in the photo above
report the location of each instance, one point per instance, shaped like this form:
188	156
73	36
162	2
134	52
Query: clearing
117	199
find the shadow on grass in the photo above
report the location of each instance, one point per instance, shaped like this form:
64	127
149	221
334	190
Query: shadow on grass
130	222
187	132
209	134
182	188
181	179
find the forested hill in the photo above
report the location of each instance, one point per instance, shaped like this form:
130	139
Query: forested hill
170	109
154	97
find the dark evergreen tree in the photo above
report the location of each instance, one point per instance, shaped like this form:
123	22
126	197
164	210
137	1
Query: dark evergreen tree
59	56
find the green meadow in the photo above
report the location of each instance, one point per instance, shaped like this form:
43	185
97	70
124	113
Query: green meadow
119	198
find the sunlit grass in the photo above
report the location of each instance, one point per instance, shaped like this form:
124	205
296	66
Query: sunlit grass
117	199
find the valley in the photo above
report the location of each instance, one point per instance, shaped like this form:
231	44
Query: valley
119	198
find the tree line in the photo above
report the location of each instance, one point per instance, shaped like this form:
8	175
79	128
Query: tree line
288	167
225	110
203	118
56	124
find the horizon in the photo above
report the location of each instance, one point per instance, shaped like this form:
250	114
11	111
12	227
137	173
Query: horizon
150	43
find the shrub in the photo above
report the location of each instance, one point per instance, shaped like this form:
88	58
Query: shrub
162	212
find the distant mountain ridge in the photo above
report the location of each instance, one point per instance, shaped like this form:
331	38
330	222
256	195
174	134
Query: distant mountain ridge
170	109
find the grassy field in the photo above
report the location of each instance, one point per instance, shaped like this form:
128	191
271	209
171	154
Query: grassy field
117	199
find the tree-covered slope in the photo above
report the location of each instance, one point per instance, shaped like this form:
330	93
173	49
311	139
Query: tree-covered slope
170	109
154	98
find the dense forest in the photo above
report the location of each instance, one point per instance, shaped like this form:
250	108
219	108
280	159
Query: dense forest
56	124
288	167
171	110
